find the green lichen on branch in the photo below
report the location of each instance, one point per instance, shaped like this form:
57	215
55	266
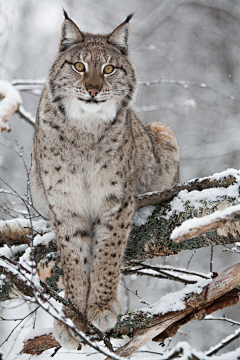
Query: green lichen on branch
57	275
20	285
131	321
6	287
153	238
41	250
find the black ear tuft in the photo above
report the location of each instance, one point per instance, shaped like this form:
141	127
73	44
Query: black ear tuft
119	37
70	33
65	14
129	18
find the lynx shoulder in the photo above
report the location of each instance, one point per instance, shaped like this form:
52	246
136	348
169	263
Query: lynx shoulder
91	155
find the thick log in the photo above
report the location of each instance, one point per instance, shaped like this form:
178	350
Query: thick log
38	345
220	286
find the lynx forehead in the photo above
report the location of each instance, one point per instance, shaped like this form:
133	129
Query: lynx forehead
91	155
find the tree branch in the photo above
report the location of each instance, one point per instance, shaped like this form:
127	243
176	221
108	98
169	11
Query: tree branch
9	104
215	296
194	227
150	235
18	231
143	326
159	197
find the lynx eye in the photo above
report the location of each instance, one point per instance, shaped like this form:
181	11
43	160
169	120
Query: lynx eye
79	66
108	69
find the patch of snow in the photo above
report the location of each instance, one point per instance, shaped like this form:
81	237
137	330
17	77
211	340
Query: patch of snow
38	225
134	277
2	278
141	216
32	277
190	224
176	301
1	160
190	102
196	198
152	47
44	239
13	250
38	332
220	175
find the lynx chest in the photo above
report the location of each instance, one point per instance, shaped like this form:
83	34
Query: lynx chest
83	172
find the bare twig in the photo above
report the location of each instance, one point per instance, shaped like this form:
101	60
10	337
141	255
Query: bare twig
211	259
186	85
136	294
20	321
163	272
231	321
26	115
223	343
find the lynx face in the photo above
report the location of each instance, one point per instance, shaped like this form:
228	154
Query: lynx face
92	78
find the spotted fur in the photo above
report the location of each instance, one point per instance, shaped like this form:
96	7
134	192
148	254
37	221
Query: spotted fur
90	156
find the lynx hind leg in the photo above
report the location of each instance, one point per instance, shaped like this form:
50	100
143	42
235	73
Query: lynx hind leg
104	318
166	151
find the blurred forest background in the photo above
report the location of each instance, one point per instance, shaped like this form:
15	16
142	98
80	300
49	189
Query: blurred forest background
191	50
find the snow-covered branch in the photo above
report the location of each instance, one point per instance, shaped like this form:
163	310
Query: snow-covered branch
18	231
194	227
11	100
219	180
224	342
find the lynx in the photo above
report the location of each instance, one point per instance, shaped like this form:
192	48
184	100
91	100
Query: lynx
91	155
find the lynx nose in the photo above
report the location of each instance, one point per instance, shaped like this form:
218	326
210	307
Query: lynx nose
93	89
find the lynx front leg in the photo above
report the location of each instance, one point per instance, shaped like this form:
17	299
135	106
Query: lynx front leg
73	239
111	235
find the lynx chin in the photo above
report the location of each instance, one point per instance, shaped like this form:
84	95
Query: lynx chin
91	155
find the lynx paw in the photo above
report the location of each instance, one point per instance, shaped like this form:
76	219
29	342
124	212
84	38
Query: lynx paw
104	318
65	336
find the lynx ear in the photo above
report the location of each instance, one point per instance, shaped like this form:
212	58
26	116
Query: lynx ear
70	33
119	37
